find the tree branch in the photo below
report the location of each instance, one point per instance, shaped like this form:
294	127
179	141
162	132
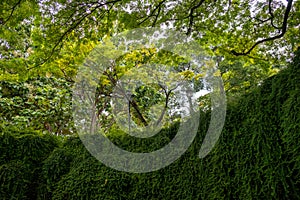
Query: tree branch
191	16
272	15
70	29
158	7
131	101
283	31
12	12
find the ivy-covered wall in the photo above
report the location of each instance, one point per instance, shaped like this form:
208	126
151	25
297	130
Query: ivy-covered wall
22	153
256	157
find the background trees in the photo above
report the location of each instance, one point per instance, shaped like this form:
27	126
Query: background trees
41	103
251	40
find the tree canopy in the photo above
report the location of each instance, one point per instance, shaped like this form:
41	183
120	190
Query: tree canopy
250	40
36	33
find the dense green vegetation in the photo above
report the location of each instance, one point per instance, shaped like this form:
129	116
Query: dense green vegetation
40	103
252	45
257	156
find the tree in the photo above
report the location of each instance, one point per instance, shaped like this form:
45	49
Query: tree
228	28
235	27
134	83
53	37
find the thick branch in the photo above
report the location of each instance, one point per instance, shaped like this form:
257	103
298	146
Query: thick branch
131	101
283	31
191	16
136	107
156	16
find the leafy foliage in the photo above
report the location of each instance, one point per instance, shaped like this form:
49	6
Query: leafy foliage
257	156
42	104
36	34
42	43
22	154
